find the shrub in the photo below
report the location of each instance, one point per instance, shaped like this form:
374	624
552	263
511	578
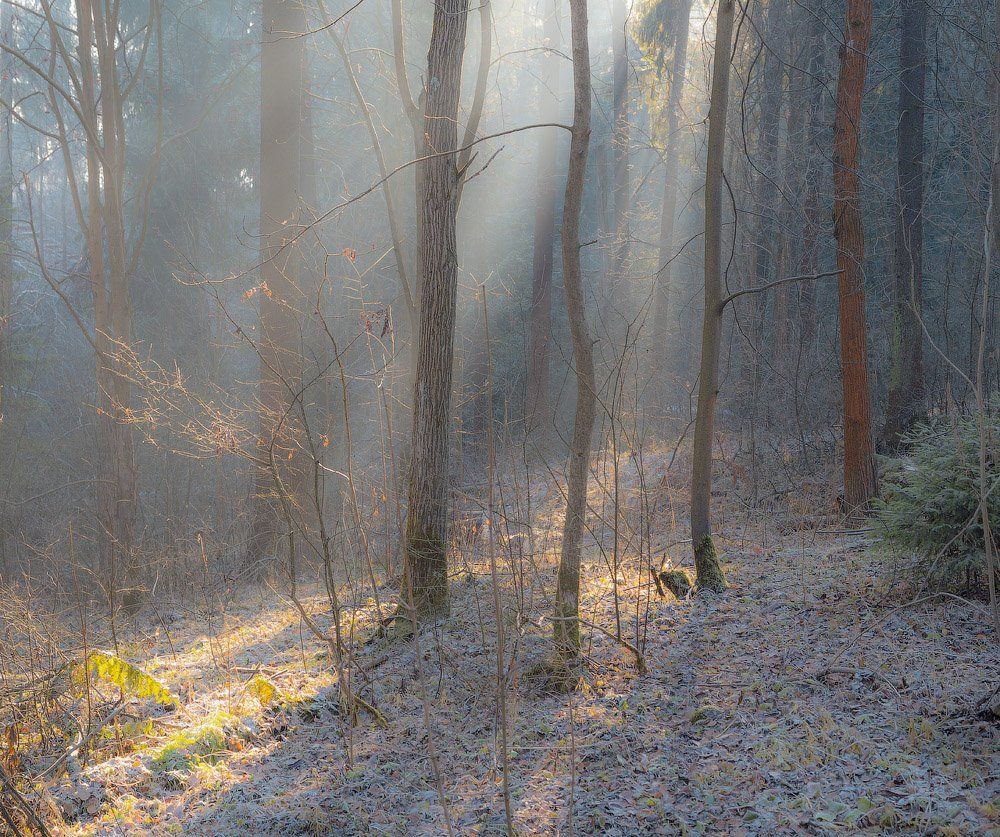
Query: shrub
930	500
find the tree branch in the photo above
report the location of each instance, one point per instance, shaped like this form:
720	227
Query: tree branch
776	283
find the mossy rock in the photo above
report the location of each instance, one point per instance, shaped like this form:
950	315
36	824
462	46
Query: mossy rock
676	581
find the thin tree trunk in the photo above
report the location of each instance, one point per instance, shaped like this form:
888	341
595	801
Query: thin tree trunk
566	633
668	212
905	403
768	196
537	407
815	164
426	576
620	139
859	454
706	559
6	279
116	472
282	91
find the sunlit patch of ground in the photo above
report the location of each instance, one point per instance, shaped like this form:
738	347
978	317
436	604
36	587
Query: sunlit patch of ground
732	730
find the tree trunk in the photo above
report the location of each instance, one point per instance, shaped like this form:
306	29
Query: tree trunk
566	626
282	91
815	164
859	455
706	559
115	465
426	576
768	197
6	279
620	138
537	407
906	376
669	210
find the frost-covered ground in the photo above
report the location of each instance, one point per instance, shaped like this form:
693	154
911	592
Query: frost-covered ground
811	697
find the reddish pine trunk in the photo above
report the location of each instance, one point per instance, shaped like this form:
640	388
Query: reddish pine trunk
859	454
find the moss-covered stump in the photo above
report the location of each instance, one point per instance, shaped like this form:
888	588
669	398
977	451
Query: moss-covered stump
676	581
706	563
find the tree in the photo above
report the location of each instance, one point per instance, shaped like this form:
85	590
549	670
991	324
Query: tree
706	559
416	115
279	346
668	211
815	163
6	259
767	192
566	625
536	398
97	98
859	454
906	376
438	182
620	139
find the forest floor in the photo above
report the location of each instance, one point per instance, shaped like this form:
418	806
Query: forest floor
813	696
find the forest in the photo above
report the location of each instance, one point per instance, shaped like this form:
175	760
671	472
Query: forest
525	417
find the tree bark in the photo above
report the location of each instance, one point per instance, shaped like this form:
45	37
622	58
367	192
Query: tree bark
537	407
620	139
768	196
668	212
815	165
282	94
566	626
859	454
116	470
706	559
905	403
426	539
6	276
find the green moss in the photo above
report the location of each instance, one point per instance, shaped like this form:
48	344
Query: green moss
204	742
709	570
427	573
676	581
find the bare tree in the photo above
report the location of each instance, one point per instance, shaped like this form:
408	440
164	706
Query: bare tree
620	140
101	91
706	559
282	100
536	399
668	212
906	375
767	192
438	181
817	126
567	606
415	111
6	262
859	453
